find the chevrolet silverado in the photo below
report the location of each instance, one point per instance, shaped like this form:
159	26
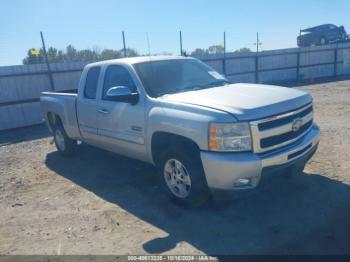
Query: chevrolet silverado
203	133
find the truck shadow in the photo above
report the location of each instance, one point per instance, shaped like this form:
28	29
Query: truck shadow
305	214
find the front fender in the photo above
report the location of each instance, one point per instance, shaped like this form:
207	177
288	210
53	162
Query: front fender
184	120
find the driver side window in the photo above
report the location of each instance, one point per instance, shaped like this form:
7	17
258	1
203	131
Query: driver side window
117	75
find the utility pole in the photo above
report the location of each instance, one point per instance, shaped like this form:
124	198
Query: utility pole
181	52
148	44
258	43
47	63
124	46
224	60
224	43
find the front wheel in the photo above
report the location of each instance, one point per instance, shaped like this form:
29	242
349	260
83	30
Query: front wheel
64	144
182	176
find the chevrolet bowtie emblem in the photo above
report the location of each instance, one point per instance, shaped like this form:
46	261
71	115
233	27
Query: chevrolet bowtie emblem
297	123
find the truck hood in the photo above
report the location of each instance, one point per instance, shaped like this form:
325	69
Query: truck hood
245	101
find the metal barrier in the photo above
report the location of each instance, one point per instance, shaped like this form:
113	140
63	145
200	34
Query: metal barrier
20	86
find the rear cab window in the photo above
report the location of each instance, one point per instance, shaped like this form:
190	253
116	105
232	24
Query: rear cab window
91	82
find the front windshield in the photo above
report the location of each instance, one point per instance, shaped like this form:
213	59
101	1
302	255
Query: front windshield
175	76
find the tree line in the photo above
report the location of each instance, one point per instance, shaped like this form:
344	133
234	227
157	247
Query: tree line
216	49
70	53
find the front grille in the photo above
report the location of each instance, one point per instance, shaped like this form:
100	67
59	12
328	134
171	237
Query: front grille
277	131
284	120
275	140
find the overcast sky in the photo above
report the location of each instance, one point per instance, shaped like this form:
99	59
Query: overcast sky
88	24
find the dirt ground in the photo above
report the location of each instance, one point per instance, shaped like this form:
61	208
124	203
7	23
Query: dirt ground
100	203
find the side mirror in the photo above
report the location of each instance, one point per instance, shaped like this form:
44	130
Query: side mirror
122	94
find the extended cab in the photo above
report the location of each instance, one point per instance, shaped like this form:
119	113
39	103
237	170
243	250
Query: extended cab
201	132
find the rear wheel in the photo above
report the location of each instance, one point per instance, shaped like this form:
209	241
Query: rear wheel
323	40
182	176
64	144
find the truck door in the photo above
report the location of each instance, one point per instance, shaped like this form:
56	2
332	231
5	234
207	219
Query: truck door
87	105
121	125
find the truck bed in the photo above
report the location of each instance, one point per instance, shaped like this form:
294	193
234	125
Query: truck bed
63	105
68	91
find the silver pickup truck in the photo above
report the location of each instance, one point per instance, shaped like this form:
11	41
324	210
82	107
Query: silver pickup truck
201	132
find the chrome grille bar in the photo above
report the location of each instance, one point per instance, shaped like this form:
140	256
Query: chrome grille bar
280	130
284	128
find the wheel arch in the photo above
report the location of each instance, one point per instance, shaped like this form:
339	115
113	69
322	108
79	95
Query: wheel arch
162	140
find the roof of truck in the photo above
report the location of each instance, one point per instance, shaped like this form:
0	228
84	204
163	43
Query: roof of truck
138	59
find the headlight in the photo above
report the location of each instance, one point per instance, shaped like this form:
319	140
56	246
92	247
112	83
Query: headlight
229	137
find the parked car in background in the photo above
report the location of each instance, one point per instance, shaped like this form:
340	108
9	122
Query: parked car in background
321	35
179	114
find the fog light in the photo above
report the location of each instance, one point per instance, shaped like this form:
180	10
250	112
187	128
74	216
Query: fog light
242	182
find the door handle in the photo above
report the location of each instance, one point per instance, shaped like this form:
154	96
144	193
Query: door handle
103	111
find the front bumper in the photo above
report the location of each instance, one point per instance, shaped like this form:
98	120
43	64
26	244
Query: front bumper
224	170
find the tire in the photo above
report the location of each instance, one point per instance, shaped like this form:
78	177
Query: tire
182	176
65	145
323	41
